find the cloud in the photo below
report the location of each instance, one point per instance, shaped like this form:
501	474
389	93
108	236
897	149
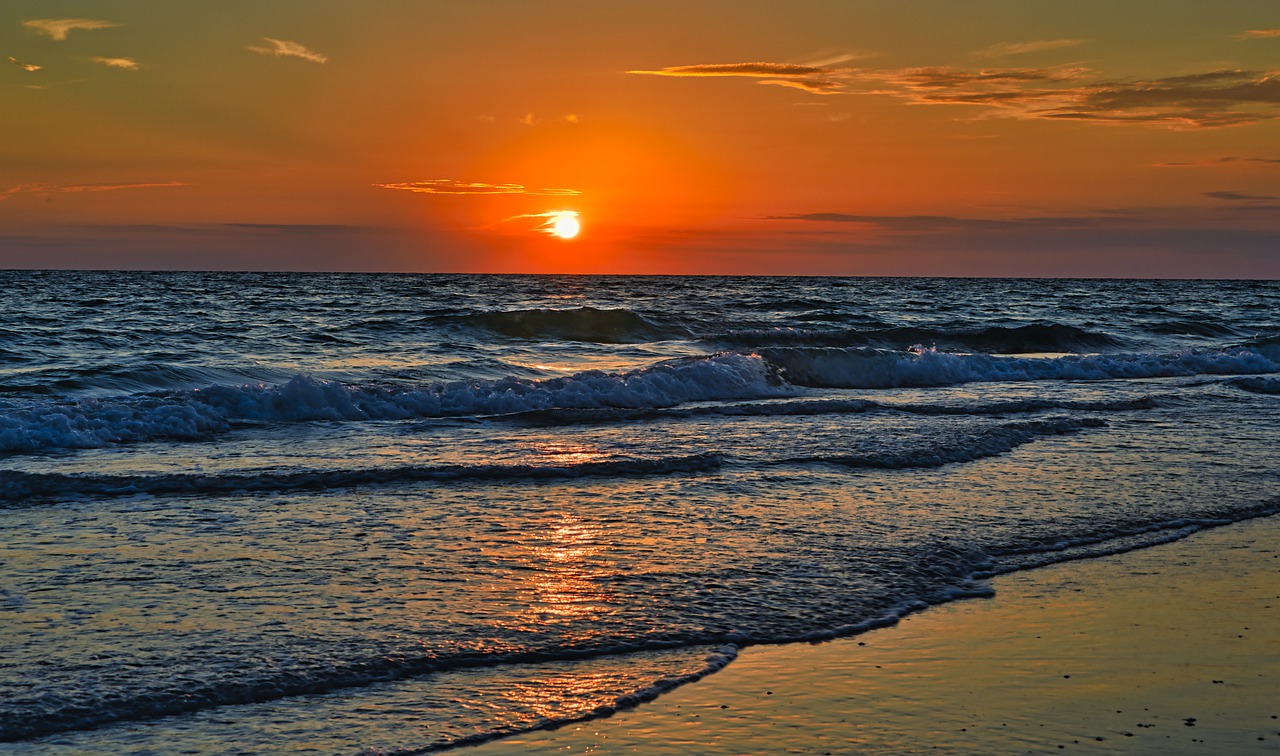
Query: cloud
128	64
815	79
28	67
907	223
1168	219
1259	34
1239	197
1222	161
1022	48
474	188
1205	100
954	78
737	69
1212	99
59	28
546	221
283	48
548	214
77	188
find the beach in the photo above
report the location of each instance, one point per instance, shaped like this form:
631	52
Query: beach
1171	649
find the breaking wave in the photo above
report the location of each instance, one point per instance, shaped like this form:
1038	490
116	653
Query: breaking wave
34	426
31	427
881	368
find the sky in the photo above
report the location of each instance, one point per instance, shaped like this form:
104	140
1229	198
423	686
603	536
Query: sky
809	137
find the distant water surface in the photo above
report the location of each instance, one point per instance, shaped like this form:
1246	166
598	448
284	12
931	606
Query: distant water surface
385	513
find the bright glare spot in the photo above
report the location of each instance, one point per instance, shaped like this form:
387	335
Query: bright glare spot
566	225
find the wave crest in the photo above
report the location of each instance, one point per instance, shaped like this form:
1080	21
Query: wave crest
881	368
1257	385
200	414
18	487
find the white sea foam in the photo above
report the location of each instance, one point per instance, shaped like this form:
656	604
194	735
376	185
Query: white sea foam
33	426
203	413
879	368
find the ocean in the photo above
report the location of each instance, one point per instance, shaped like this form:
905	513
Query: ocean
393	514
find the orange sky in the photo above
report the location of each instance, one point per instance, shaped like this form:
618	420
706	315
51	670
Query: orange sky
840	137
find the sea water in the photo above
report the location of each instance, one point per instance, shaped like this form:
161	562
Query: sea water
399	513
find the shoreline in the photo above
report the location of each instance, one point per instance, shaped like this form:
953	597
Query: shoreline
1172	648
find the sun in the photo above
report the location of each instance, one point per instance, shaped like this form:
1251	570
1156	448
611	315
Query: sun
565	225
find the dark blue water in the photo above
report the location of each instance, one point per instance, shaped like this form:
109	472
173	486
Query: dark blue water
250	512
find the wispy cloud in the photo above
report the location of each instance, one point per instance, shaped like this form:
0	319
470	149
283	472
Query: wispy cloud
1117	219
1212	99
1206	100
1022	48
546	222
77	188
29	67
816	79
906	223
737	69
283	48
955	227
1239	196
1229	160
474	188
128	64
937	78
1259	34
59	28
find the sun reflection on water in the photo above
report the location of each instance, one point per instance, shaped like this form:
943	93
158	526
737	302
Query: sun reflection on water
548	695
568	563
567	455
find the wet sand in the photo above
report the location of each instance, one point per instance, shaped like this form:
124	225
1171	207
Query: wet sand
1173	649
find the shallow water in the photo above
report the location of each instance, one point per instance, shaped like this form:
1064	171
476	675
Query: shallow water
358	512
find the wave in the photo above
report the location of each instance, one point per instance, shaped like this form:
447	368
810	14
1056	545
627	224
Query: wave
881	368
1257	385
1269	343
201	414
714	662
63	715
586	324
19	487
1206	328
800	408
30	426
1106	539
118	378
989	442
1026	339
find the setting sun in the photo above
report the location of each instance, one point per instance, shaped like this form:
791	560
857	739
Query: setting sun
566	225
